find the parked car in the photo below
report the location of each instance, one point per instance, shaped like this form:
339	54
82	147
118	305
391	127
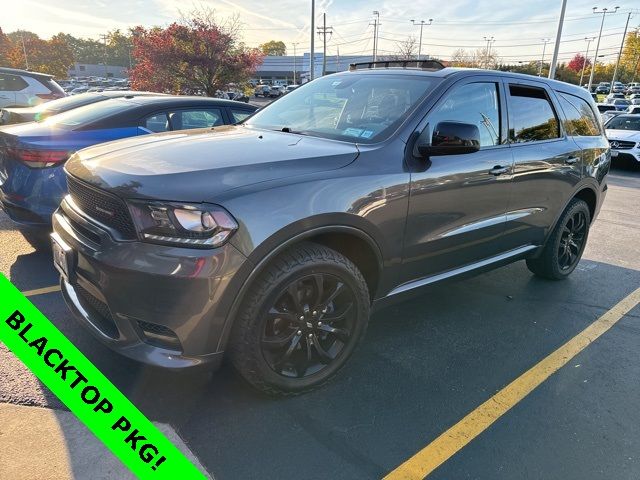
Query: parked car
606	116
291	88
237	96
10	116
276	91
262	91
621	104
604	107
614	96
618	87
623	132
20	88
633	109
32	155
603	89
273	240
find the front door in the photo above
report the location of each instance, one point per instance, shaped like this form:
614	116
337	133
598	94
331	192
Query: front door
458	203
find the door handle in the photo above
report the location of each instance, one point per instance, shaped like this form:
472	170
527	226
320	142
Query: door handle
499	170
571	160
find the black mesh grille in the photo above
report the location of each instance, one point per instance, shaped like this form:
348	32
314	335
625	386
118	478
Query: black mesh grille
102	206
159	335
103	320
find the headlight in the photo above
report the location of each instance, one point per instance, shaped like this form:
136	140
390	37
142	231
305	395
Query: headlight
192	225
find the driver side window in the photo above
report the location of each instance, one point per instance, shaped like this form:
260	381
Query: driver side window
475	103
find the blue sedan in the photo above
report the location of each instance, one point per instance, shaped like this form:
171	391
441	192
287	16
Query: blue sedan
32	155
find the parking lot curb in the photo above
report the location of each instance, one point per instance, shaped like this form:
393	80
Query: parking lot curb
39	443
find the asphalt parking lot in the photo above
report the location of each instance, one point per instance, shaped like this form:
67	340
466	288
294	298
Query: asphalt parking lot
424	366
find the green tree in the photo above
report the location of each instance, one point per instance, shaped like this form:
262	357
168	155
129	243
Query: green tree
274	48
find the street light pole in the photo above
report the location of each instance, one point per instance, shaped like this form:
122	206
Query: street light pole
295	44
376	25
556	48
586	57
624	35
544	48
312	61
595	57
422	23
489	41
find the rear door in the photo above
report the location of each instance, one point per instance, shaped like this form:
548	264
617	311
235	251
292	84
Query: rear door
547	162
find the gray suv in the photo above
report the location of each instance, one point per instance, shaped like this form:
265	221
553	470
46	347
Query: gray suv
271	242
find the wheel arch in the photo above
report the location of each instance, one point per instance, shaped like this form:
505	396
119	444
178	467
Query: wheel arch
354	243
586	191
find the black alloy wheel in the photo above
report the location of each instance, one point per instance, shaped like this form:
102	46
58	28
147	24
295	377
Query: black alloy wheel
574	233
300	321
309	325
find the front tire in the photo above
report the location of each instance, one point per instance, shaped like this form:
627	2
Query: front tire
565	246
300	321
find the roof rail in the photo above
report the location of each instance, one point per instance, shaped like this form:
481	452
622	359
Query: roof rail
432	65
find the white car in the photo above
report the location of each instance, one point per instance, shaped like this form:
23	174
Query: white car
20	88
623	132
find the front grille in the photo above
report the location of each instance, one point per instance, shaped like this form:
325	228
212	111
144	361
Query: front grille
102	206
102	318
621	144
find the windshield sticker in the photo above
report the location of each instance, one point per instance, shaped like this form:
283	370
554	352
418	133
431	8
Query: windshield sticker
366	134
353	132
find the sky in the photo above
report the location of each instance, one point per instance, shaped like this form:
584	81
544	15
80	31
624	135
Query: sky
517	27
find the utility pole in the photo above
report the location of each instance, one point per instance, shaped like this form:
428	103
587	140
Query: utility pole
376	25
624	35
422	23
556	48
489	41
586	57
544	48
323	31
604	12
295	44
24	50
312	60
104	38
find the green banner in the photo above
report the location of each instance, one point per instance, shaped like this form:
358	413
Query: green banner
87	392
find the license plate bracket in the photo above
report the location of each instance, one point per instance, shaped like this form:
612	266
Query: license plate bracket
64	258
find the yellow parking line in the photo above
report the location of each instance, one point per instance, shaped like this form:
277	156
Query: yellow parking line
458	436
41	291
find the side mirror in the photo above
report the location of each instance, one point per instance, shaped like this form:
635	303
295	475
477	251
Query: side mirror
452	138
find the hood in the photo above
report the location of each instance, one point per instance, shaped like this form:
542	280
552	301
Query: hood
629	135
196	165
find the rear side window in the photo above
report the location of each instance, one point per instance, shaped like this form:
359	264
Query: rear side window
239	115
11	83
531	116
188	119
580	120
157	123
475	103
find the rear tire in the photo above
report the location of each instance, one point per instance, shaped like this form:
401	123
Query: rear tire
300	321
563	250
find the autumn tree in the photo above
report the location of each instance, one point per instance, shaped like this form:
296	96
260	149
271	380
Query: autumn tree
274	48
194	54
578	62
52	56
5	46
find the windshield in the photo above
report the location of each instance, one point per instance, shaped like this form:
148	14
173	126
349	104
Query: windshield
89	113
67	103
624	122
353	108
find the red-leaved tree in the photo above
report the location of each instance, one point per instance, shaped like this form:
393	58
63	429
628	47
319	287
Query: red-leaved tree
196	54
578	62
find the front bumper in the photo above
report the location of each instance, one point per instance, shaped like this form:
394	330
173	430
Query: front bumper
632	154
161	305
